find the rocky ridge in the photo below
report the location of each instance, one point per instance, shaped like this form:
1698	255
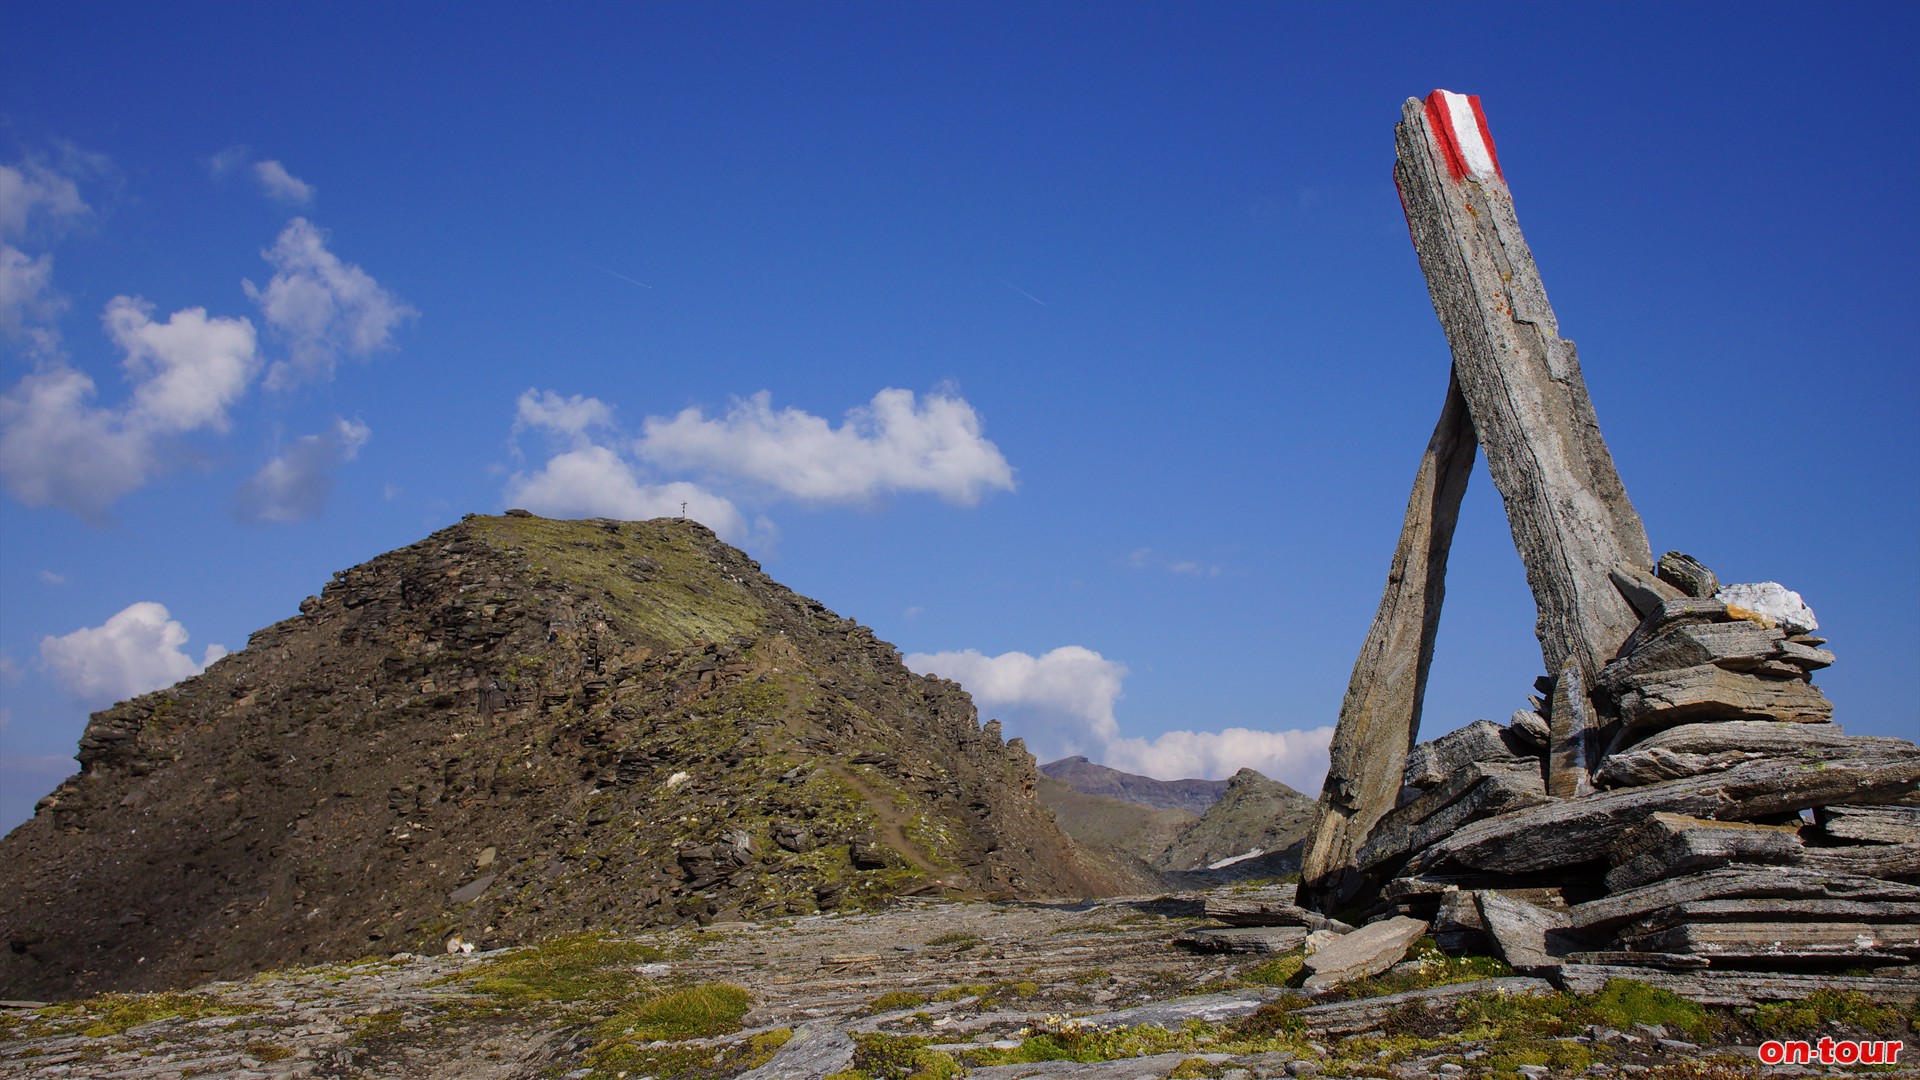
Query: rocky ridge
515	728
1694	819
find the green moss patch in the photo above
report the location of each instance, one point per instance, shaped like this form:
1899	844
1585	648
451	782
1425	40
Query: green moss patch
1825	1007
581	968
701	1011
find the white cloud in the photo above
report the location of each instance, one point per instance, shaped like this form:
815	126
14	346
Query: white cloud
893	444
323	307
9	669
1062	702
226	161
571	417
187	370
133	652
592	481
36	198
1295	757
280	184
294	486
1146	559
50	578
58	449
28	304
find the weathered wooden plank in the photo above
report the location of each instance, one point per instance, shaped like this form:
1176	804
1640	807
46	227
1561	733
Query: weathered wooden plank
1710	746
1567	508
1710	692
1381	712
1734	883
1674	845
1778	941
1875	824
1578	830
1735	988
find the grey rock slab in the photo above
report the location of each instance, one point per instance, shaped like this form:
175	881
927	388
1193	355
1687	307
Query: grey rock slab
1874	824
1709	746
1172	1014
1571	725
1348	1017
1774	910
1519	929
1530	727
1248	939
1735	883
1151	1067
1644	591
1735	988
1369	950
1738	645
1805	657
1276	909
1564	833
1489	788
1380	713
1436	761
1684	611
1708	691
1896	861
815	1051
1674	845
1688	574
1748	942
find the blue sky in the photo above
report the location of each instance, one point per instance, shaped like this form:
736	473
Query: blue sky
1087	337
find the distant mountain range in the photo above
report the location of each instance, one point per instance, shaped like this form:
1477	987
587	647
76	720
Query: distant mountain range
1180	825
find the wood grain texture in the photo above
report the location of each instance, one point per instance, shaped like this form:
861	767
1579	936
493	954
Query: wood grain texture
1568	510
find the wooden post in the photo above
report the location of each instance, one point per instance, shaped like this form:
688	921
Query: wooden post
1381	712
1565	503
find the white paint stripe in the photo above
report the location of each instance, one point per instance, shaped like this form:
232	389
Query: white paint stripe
1466	134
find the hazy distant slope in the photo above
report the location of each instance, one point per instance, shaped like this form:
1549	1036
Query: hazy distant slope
1193	796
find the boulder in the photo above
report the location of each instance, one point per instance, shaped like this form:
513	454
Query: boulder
1244	939
1686	573
1773	601
1369	950
1710	692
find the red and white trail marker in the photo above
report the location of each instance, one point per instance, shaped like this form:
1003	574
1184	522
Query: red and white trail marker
1461	129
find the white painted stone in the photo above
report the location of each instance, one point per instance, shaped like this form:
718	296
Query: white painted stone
1775	601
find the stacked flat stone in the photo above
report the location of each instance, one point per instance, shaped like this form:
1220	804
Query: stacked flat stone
1694	818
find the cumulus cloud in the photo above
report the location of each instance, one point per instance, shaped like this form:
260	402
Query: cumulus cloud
1062	702
35	200
568	417
49	577
59	449
322	307
133	652
593	481
294	486
226	161
892	444
282	185
1147	559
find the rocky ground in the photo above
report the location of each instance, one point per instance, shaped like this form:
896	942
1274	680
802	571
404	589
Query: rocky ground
927	989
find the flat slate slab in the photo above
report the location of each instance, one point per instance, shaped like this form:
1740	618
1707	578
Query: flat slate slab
1738	988
1247	939
1347	1017
1171	1014
1369	950
1151	1067
814	1052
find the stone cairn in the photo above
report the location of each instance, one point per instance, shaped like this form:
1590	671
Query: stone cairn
1676	805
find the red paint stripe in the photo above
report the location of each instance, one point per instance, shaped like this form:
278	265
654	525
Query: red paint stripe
1486	136
1441	125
